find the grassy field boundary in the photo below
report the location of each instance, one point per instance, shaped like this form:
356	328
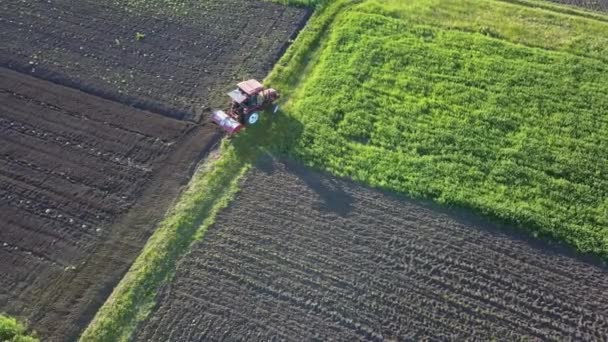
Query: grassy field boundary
12	330
300	57
211	189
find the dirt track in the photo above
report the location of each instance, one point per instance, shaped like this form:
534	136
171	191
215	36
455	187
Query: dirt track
302	256
182	66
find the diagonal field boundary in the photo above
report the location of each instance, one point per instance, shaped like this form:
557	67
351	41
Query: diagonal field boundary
210	190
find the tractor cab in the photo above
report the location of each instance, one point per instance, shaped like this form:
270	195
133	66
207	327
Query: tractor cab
251	95
247	101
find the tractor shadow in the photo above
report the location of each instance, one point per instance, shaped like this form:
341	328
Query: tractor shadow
282	133
333	197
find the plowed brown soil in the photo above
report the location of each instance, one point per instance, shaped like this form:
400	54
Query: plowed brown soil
303	256
82	182
181	68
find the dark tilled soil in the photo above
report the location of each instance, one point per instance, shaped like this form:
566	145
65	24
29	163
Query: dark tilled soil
597	5
182	66
303	256
84	180
82	183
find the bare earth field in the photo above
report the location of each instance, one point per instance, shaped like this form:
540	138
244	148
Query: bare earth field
597	5
303	256
182	66
83	178
71	167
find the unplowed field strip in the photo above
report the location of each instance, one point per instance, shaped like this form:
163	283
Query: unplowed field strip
82	182
183	65
299	255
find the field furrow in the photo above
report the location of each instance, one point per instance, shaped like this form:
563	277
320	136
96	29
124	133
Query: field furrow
289	260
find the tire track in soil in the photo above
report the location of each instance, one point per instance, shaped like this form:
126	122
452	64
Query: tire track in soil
300	255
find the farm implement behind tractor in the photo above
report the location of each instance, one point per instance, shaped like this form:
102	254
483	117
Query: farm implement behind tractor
249	99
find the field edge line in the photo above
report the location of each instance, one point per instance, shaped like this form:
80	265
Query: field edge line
210	190
294	65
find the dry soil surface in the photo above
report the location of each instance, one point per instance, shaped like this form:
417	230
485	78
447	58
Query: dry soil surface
181	66
82	182
303	256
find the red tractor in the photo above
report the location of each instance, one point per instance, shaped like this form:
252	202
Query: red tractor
248	101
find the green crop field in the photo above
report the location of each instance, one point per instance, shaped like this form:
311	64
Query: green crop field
497	106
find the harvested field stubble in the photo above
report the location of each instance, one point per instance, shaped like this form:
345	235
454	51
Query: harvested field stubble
189	52
300	255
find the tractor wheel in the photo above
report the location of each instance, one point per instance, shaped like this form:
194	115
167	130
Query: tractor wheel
252	118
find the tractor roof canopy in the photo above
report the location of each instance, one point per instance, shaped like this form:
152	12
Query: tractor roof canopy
251	87
237	96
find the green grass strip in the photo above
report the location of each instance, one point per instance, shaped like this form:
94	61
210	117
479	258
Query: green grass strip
300	57
210	190
561	8
11	330
524	22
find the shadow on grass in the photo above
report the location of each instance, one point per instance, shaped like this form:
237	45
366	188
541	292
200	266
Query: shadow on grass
261	145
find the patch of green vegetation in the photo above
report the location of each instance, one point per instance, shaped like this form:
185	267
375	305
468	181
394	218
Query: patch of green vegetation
527	25
561	8
493	106
302	55
12	330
